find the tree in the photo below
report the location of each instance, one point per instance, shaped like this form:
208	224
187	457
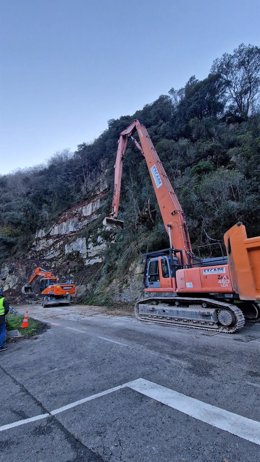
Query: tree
240	73
199	99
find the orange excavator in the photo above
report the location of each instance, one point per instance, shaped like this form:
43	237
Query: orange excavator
215	294
51	290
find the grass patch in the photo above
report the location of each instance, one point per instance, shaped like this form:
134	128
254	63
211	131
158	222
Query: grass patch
14	321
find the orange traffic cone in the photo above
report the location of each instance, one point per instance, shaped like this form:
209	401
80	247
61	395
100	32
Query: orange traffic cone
25	322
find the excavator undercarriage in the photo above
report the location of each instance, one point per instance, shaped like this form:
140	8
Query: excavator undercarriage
202	313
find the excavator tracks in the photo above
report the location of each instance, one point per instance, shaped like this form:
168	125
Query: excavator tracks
199	313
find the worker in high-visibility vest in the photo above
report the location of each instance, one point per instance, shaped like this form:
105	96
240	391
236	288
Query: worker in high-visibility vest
4	308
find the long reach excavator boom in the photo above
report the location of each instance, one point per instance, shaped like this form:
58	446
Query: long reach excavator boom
181	289
170	208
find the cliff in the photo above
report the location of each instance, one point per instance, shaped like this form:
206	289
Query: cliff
74	248
51	216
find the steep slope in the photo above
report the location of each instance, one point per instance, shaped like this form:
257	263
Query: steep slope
52	216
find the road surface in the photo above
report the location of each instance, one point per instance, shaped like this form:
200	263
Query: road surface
98	386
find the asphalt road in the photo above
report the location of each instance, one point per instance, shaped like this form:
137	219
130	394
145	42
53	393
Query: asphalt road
129	386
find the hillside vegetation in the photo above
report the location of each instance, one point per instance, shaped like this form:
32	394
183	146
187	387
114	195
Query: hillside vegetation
207	135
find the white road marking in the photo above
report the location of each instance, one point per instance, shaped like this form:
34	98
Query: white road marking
220	418
254	384
113	341
85	400
76	330
53	323
102	338
23	422
85	332
61	409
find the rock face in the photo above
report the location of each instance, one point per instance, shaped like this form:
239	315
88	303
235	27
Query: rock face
73	248
131	288
65	236
65	248
8	278
74	219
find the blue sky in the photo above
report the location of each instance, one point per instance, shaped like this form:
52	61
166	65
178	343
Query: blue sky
68	66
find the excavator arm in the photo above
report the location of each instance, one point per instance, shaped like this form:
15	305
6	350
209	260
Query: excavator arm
40	272
36	274
170	208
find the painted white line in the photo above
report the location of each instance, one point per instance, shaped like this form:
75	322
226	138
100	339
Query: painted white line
23	422
113	341
254	384
76	330
18	423
220	418
85	332
85	400
53	323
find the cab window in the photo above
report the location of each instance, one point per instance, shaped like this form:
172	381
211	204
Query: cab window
165	268
153	271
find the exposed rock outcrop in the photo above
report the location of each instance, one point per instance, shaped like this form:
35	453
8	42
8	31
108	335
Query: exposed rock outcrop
73	248
65	248
8	277
65	236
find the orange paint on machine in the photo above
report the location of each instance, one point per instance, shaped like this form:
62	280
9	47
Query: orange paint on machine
180	288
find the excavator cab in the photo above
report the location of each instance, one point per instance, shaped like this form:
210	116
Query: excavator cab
160	269
44	283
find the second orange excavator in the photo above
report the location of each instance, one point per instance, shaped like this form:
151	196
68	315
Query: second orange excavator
181	289
52	291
